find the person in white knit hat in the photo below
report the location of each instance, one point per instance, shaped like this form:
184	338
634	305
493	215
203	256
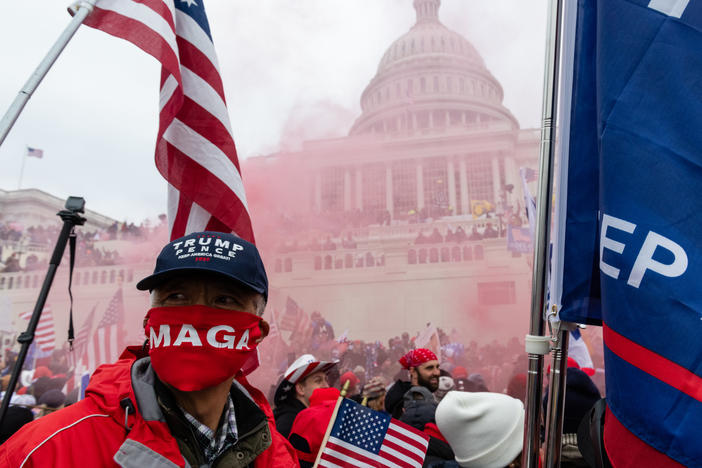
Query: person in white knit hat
485	430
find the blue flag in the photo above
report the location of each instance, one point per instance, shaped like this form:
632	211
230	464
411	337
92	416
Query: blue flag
628	246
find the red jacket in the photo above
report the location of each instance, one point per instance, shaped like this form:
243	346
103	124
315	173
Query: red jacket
94	431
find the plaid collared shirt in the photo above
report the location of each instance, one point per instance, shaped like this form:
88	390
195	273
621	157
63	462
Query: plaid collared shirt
214	444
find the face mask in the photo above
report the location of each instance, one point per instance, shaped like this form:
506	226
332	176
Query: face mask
196	347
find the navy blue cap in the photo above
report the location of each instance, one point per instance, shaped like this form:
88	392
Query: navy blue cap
217	252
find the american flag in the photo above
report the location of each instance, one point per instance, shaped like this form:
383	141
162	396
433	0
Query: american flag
35	152
363	437
195	149
107	341
75	357
45	337
292	315
81	342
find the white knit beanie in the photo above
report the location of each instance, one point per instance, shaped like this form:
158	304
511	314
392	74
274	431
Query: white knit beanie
485	430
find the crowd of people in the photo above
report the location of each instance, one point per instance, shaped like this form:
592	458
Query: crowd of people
29	248
459	235
40	390
187	396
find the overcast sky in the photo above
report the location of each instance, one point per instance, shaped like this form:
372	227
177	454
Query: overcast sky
292	70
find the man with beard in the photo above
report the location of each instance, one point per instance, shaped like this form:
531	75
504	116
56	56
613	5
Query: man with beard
181	399
423	367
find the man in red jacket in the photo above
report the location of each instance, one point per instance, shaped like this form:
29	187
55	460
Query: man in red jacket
183	400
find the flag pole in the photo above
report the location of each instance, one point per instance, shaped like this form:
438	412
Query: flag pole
24	160
342	395
537	345
556	395
80	11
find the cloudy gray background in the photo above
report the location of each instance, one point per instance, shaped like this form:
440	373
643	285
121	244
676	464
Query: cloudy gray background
292	70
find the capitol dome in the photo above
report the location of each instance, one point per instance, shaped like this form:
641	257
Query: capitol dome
431	79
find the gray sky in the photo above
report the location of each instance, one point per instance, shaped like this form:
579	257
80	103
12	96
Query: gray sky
292	70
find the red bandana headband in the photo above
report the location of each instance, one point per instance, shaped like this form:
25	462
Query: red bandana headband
417	357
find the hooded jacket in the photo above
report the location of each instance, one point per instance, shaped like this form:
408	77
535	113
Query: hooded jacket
121	423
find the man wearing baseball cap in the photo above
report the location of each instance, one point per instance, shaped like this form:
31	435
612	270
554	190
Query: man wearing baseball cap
182	399
303	377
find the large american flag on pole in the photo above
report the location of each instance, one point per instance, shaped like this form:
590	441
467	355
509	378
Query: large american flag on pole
195	149
363	437
45	335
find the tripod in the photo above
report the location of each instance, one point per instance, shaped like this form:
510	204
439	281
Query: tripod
71	218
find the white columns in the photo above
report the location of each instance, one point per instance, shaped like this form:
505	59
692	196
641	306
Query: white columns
496	185
318	191
463	180
388	189
347	190
420	186
359	189
451	186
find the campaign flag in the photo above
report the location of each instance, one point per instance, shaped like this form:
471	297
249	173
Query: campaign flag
363	437
627	250
45	336
35	152
195	149
107	341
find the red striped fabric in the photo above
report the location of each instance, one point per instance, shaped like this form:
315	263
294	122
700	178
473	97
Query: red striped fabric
45	336
108	339
654	364
625	450
195	149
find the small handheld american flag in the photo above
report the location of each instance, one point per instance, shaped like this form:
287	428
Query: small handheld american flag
360	436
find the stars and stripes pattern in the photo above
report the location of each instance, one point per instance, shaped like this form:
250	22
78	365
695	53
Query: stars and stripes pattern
45	335
195	149
81	341
35	152
108	340
291	316
363	437
308	369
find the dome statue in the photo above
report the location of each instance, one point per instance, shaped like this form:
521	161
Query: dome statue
431	79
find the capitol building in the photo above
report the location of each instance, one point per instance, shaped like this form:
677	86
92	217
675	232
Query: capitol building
434	152
402	222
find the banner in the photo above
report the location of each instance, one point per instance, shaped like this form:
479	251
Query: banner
627	250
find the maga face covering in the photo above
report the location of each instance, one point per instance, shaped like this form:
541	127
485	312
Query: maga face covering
196	347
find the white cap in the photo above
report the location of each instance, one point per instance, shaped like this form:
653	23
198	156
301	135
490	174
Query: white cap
485	430
304	366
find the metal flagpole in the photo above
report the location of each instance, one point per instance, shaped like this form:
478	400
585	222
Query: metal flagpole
81	11
24	160
556	395
537	345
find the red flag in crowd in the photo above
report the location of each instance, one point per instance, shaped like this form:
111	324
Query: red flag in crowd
45	335
360	436
195	149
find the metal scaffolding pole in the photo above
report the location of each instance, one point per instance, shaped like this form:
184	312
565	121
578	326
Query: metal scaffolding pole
556	397
81	11
537	345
